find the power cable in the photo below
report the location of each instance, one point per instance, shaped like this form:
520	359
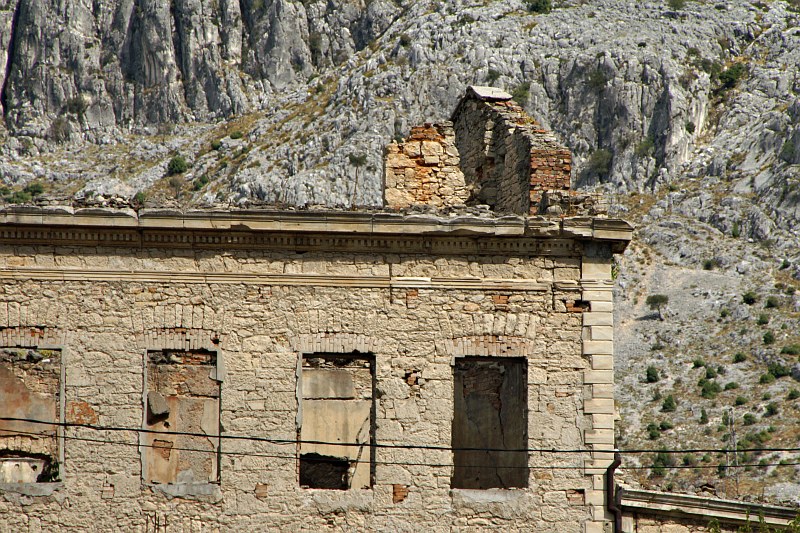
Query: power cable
384	446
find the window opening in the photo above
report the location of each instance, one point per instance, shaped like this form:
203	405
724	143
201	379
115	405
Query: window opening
490	428
337	405
30	388
181	397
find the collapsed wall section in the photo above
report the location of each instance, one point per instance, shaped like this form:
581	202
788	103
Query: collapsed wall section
507	159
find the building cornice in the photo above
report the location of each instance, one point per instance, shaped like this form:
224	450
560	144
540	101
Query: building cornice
689	506
307	230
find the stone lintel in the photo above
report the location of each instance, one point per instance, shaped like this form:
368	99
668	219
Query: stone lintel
487	94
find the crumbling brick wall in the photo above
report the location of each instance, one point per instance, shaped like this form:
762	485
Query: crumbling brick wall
507	159
424	169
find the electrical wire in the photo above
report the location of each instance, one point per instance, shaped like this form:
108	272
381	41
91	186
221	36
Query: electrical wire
390	446
404	463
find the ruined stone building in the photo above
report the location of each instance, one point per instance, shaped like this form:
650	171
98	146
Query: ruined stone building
293	370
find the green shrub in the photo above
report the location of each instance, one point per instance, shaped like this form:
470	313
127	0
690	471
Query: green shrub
657	302
669	405
177	165
769	338
698	363
651	375
600	161
778	370
731	385
521	92
785	264
676	5
739	357
644	148
539	6
749	419
703	416
736	230
690	127
740	400
730	76
200	182
724	313
656	395
236	134
661	461
60	130
652	431
710	389
791	349
492	76
772	302
665	425
772	409
689	460
77	105
140	197
34	189
597	79
793	394
216	144
749	298
710	373
766	378
763	319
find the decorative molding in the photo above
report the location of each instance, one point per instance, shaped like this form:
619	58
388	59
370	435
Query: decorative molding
689	506
308	231
255	278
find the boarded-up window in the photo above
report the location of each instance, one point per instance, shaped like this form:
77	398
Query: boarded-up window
337	407
30	389
490	429
181	398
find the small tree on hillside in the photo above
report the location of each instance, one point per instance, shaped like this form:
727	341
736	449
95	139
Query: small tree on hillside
657	302
357	161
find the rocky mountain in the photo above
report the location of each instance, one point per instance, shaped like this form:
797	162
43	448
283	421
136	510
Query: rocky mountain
685	113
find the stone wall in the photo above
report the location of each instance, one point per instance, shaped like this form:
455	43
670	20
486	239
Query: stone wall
412	313
492	153
508	160
424	169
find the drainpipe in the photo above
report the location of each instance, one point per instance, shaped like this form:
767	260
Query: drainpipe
611	493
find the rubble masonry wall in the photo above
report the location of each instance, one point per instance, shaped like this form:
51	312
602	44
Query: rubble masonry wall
151	299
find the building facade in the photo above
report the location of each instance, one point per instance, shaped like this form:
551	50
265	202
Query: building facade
311	371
